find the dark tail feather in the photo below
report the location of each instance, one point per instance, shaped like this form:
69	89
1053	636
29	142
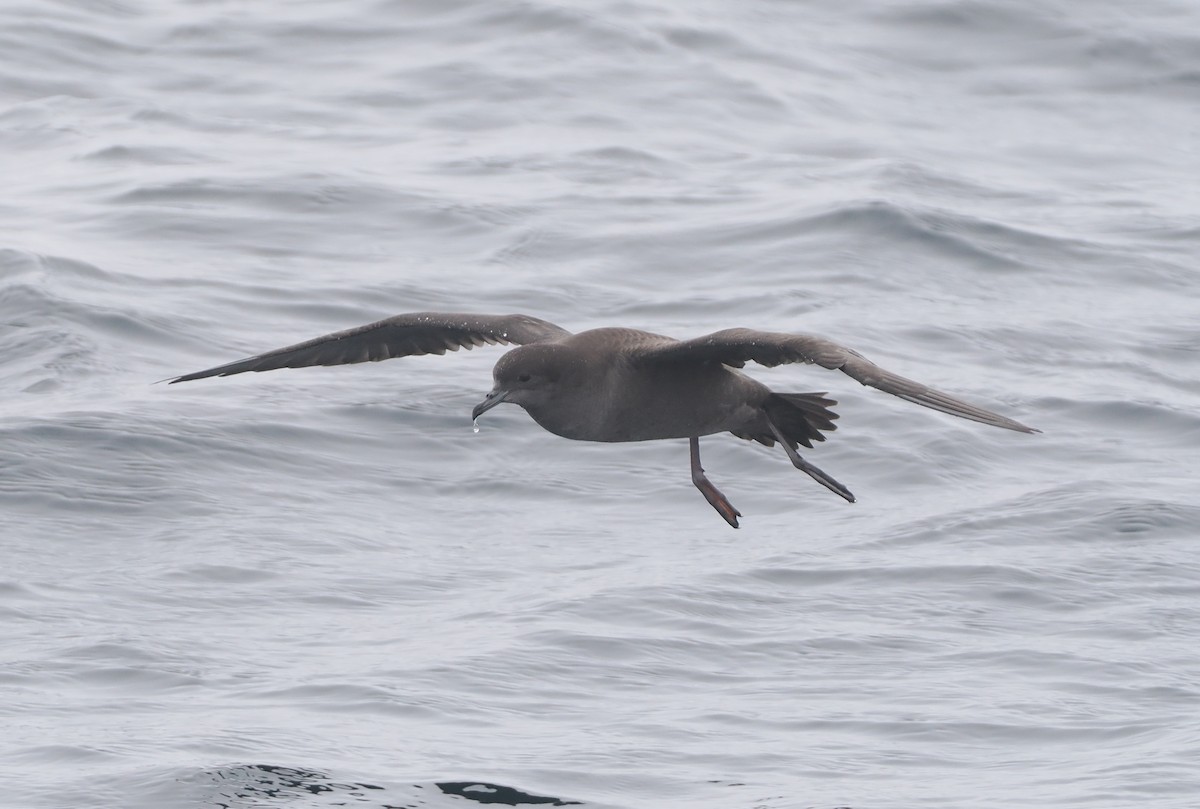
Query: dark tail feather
801	417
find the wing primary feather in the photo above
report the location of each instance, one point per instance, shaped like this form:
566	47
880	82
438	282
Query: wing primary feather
398	336
735	347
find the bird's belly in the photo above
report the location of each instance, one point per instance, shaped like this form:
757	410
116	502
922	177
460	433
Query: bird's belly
677	411
621	431
669	420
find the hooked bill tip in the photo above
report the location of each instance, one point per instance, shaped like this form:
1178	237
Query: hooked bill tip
491	400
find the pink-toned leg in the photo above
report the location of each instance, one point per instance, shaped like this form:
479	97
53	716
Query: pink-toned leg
807	468
711	493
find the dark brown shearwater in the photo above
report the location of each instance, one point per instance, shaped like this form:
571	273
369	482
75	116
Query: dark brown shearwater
617	384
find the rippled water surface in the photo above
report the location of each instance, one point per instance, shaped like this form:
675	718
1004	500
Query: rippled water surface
319	588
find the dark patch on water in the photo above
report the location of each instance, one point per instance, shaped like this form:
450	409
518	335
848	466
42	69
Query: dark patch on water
492	793
260	785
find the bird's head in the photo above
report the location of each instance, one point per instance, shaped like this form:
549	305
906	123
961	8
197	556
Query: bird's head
529	376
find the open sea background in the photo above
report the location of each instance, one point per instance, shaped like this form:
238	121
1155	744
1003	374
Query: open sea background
320	588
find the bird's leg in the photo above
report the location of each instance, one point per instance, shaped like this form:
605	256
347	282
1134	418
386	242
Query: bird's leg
711	493
807	468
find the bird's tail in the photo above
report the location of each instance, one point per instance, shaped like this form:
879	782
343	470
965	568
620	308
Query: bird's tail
801	417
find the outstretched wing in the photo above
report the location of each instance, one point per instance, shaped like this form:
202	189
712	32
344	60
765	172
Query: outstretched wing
736	347
400	336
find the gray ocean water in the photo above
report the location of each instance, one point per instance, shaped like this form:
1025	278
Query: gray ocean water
320	588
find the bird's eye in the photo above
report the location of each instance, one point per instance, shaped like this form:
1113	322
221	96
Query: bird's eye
523	378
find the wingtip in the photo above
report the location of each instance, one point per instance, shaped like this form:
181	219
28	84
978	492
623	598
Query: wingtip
189	377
